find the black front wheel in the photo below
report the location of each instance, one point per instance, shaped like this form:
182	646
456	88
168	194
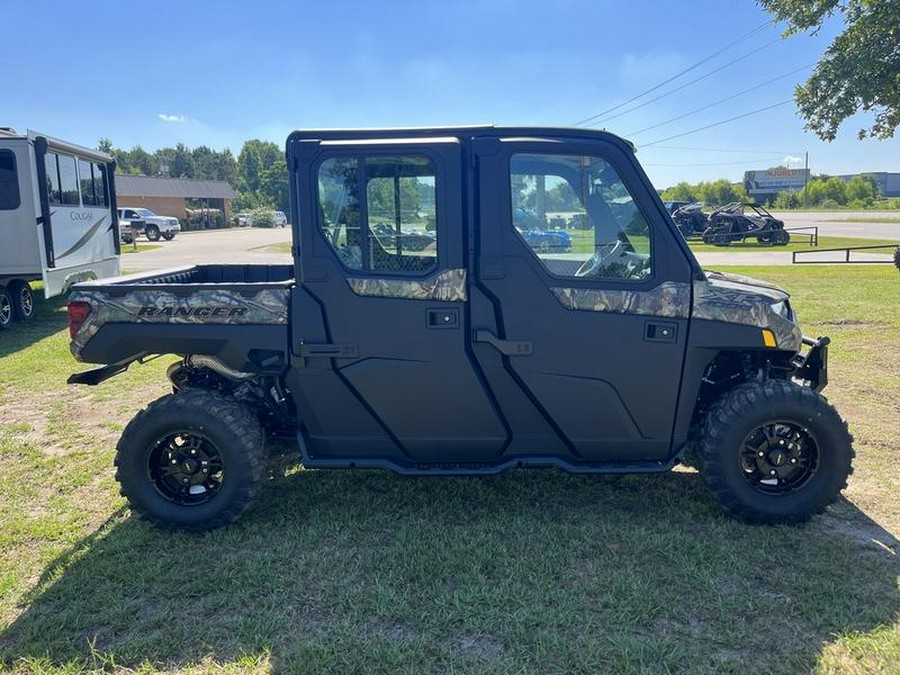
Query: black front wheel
191	461
774	452
168	236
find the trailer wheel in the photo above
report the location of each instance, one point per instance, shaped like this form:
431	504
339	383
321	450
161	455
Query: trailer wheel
774	452
22	300
191	461
7	314
152	232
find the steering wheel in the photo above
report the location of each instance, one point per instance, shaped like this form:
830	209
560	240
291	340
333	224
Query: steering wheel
597	262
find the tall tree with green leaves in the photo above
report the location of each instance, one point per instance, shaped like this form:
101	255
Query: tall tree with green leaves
860	70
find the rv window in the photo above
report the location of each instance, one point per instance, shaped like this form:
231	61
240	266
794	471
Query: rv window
53	178
9	181
67	182
86	181
100	185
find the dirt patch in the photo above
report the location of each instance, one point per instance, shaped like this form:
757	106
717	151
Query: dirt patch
475	645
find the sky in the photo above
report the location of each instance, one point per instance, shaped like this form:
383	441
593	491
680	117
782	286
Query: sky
217	74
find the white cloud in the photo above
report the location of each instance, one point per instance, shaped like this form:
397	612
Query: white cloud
790	159
171	118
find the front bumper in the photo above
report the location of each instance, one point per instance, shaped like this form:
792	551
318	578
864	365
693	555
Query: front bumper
812	367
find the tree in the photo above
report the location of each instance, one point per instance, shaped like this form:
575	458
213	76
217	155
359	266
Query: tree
860	70
682	192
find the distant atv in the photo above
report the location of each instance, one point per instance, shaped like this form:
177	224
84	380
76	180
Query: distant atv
733	222
690	220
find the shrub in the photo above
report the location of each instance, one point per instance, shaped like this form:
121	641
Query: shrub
262	217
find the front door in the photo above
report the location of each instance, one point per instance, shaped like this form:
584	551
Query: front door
382	361
583	298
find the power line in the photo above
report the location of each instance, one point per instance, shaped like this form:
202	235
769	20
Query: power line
728	150
687	84
699	63
716	124
721	100
741	162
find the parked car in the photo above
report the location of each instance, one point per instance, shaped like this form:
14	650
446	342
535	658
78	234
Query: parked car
280	219
537	236
408	240
154	226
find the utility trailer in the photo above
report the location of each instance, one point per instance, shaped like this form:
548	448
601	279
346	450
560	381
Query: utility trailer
57	218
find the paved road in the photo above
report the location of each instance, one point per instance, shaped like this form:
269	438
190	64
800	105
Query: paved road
842	224
246	245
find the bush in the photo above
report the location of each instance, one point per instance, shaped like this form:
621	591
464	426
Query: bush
830	204
262	217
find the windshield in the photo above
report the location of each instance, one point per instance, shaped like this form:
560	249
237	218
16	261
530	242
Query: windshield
146	213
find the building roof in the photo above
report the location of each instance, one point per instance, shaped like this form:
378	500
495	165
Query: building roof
147	186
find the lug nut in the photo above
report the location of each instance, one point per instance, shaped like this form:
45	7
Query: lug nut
793	461
174	461
205	470
185	480
761	454
772	472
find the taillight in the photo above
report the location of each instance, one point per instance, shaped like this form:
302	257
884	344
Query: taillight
78	312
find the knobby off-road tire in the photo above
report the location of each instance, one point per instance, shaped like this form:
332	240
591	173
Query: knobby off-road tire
774	426
164	450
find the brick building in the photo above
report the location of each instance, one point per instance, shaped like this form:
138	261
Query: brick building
176	196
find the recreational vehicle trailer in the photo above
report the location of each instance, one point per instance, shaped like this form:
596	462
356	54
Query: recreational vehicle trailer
58	220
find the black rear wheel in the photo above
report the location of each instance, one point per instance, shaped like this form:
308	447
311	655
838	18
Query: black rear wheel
22	299
192	460
774	452
7	313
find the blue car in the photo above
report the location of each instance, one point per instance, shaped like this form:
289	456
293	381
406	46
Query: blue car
535	234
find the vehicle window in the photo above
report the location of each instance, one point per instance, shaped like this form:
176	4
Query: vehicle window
68	182
53	191
397	193
576	215
9	181
86	180
100	192
401	214
146	213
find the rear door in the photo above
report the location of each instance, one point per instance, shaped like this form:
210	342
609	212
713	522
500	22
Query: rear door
383	365
82	230
585	296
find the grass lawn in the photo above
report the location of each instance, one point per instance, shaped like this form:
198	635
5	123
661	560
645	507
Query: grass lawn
129	248
531	571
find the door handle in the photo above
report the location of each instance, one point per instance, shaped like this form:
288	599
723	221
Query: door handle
660	331
505	347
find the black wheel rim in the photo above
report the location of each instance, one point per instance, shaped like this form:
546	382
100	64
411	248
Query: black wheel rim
5	309
186	468
778	458
26	301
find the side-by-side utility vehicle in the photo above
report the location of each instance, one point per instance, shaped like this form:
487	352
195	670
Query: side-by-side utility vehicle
474	354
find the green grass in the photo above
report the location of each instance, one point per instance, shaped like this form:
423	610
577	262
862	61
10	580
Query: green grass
798	243
531	571
129	248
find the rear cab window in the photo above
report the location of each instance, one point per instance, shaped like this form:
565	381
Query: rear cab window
378	213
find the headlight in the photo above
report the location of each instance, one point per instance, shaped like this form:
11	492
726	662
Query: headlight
783	309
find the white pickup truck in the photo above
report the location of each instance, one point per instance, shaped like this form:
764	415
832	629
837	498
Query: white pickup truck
152	225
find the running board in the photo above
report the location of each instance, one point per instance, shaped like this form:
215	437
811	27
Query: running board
484	468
